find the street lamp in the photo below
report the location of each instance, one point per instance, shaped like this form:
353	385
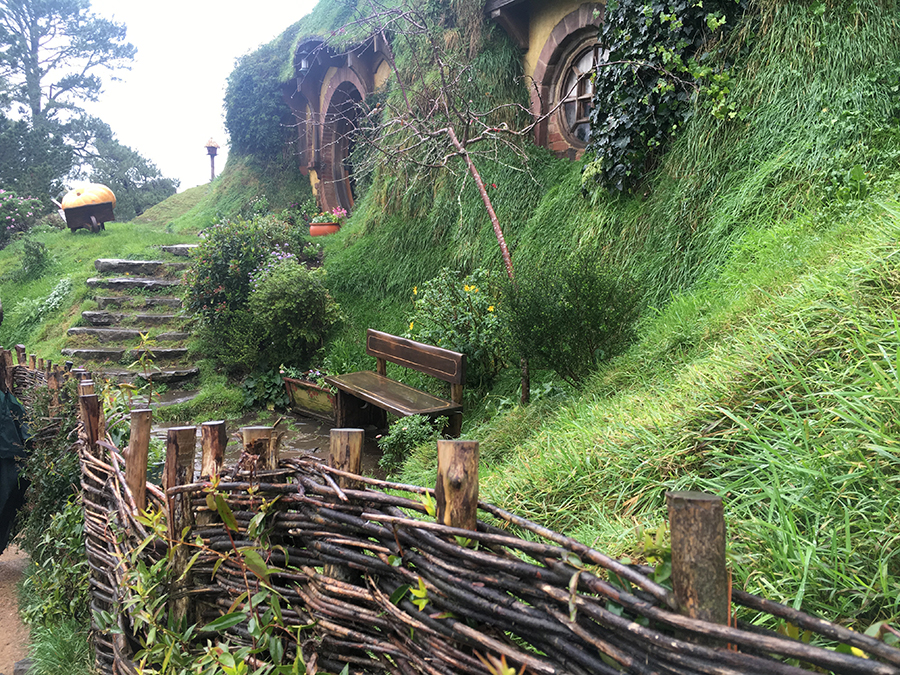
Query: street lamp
211	148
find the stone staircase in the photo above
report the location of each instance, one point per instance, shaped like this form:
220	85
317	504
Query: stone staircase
134	297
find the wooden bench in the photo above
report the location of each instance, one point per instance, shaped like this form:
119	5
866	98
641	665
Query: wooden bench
366	397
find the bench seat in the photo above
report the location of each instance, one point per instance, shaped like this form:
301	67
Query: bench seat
395	397
365	397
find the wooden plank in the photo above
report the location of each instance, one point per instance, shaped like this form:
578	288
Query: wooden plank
179	470
395	397
443	364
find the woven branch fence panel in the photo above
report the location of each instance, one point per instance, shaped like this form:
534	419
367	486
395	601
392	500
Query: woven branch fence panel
380	586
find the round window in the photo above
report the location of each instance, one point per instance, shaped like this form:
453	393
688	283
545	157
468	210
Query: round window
576	91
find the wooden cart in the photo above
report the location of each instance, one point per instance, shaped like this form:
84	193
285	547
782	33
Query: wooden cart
91	216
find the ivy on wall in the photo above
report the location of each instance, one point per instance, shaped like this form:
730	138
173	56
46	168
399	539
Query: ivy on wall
643	92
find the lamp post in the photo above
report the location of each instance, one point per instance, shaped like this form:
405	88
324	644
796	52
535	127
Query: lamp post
211	148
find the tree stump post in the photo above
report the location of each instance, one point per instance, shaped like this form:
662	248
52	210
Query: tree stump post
179	470
699	575
32	362
263	443
213	440
456	490
20	354
136	456
90	419
345	454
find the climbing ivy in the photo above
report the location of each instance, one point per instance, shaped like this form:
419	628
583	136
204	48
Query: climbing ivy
654	70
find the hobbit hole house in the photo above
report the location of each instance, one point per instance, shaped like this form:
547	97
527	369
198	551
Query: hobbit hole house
558	43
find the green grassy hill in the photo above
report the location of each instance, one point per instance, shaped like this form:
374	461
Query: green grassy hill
766	364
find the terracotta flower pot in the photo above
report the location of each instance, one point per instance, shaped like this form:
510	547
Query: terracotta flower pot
320	229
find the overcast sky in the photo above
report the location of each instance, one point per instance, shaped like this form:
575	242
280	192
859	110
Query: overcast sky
170	102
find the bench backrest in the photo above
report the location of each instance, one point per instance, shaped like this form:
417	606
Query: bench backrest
443	364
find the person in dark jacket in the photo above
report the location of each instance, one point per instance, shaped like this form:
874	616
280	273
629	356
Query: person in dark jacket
13	439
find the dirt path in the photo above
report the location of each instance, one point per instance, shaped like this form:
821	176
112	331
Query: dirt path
13	635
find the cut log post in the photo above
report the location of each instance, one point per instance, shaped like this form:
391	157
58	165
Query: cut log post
32	362
456	491
40	364
90	419
20	354
213	441
85	387
136	457
262	442
345	453
699	576
53	386
179	470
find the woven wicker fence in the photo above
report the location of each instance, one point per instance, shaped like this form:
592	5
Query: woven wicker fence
381	583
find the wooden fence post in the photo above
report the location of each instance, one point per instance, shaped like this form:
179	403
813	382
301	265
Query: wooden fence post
345	453
262	442
32	362
456	490
699	576
179	470
136	456
5	375
20	354
90	418
213	440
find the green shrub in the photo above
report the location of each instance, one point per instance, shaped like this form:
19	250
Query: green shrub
462	314
17	214
51	468
406	434
56	585
293	311
570	317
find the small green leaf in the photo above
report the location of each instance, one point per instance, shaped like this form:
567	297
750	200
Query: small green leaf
225	513
399	594
254	561
224	622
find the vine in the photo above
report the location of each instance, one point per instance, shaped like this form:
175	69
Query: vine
653	71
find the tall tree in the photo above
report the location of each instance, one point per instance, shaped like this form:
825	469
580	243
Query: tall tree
135	180
51	52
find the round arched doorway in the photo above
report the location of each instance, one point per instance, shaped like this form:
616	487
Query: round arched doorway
338	140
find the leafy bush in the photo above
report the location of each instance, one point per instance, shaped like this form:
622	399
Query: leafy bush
17	214
51	468
265	389
293	310
463	314
571	317
641	99
56	585
405	434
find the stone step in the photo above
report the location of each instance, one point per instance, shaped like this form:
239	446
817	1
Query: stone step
138	301
125	283
166	375
118	354
102	318
148	268
180	250
124	334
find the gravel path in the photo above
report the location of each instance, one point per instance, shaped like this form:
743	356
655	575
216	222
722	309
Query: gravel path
13	635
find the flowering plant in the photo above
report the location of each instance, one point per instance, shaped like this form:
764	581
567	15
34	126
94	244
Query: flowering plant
336	215
17	214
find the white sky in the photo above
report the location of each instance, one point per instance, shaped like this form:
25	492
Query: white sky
170	102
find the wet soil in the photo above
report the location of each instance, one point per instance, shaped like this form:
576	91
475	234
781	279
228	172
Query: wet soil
13	634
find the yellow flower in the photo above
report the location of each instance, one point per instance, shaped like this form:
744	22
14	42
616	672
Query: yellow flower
467	288
411	324
415	290
474	289
491	308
